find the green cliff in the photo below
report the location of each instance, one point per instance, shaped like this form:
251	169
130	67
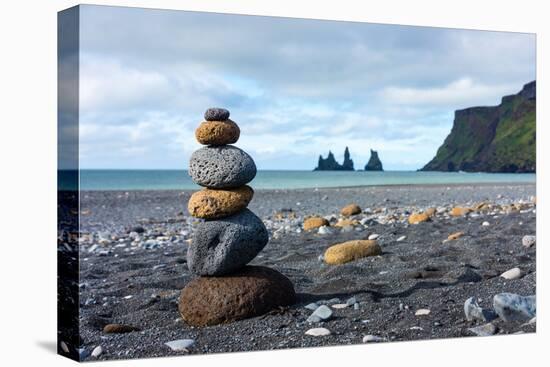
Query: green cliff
492	139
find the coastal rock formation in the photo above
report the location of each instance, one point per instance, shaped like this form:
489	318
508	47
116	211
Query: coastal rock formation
330	164
374	163
229	237
252	291
492	139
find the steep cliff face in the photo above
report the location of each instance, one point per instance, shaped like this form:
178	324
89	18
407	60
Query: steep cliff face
329	163
374	163
492	139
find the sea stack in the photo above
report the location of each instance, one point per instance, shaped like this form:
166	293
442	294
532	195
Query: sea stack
374	163
229	235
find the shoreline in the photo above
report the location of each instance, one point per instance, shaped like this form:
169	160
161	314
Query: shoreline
435	185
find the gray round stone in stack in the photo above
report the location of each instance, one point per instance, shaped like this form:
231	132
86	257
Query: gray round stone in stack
221	167
225	245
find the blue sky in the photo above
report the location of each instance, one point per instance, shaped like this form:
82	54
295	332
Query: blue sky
296	87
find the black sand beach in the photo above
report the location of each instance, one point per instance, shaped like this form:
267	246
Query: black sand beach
135	278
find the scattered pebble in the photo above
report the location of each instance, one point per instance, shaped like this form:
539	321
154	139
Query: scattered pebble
320	331
181	345
324	230
351	301
322	313
528	241
64	347
514	273
373	339
455	236
513	307
97	351
311	306
340	305
484	330
402	238
485	224
422	312
474	312
119	329
373	236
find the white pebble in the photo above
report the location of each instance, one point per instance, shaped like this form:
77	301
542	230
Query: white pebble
373	339
374	236
402	238
422	312
528	241
485	224
64	347
340	305
324	230
97	351
181	345
318	331
514	273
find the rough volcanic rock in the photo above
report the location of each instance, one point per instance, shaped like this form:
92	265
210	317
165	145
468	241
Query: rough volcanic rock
492	139
216	114
351	250
418	218
250	292
223	245
119	329
374	163
221	167
351	209
458	211
212	204
314	223
513	307
217	132
329	163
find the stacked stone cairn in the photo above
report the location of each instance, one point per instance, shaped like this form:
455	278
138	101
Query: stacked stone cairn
228	236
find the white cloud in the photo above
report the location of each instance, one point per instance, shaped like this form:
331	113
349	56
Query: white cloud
463	92
297	88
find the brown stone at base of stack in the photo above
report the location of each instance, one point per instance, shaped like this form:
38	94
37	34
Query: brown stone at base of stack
249	292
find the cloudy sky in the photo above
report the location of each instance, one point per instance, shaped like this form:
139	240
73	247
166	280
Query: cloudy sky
296	87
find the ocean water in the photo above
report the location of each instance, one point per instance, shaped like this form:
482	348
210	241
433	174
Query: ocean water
179	179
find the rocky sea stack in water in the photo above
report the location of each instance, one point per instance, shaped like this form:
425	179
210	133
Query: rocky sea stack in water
492	139
374	163
229	237
329	163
